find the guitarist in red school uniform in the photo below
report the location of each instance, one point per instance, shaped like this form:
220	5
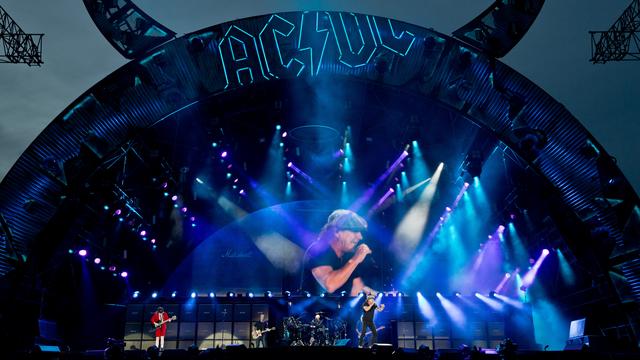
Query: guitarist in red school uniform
159	319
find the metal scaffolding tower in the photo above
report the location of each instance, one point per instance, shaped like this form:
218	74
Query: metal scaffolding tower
621	41
18	47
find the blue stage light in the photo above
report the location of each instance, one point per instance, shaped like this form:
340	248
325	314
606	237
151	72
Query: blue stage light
154	294
193	294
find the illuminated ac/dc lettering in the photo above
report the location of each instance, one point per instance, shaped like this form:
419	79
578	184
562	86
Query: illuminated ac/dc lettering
240	58
277	27
400	43
291	48
314	33
354	31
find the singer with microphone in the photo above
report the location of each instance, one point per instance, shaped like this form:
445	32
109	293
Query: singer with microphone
337	264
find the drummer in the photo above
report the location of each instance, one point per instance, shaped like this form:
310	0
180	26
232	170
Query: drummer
317	321
318	335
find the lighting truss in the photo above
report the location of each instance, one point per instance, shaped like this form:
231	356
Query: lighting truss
621	41
18	47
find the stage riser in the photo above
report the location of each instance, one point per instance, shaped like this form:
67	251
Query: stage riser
403	327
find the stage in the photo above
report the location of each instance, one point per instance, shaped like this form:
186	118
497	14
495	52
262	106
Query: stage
304	178
384	351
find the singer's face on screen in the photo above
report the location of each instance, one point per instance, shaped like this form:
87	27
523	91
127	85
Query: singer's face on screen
348	239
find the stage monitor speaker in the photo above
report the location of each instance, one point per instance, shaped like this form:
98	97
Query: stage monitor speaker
174	354
135	354
448	354
405	353
382	349
93	354
342	342
589	342
235	347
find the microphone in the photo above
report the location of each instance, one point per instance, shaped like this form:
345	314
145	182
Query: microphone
369	259
372	262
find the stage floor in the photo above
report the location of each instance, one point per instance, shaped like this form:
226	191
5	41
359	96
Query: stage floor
326	353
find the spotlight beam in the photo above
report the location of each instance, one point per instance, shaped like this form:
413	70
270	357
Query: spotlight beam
413	188
530	276
281	252
300	172
503	282
412	226
427	310
494	304
317	186
453	311
371	190
382	201
419	255
509	301
566	271
232	209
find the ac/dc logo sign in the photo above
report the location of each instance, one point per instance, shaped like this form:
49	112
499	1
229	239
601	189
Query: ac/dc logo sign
301	44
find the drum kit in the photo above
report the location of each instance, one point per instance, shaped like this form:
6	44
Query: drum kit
321	331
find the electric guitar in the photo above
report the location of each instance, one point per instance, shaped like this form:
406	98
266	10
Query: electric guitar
258	333
156	325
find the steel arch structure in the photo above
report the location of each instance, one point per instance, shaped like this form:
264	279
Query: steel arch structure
300	46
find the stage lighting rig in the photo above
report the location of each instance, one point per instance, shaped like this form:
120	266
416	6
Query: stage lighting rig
472	165
621	42
501	26
529	140
18	47
13	256
127	28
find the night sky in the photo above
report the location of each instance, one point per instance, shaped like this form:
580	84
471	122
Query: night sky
554	54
